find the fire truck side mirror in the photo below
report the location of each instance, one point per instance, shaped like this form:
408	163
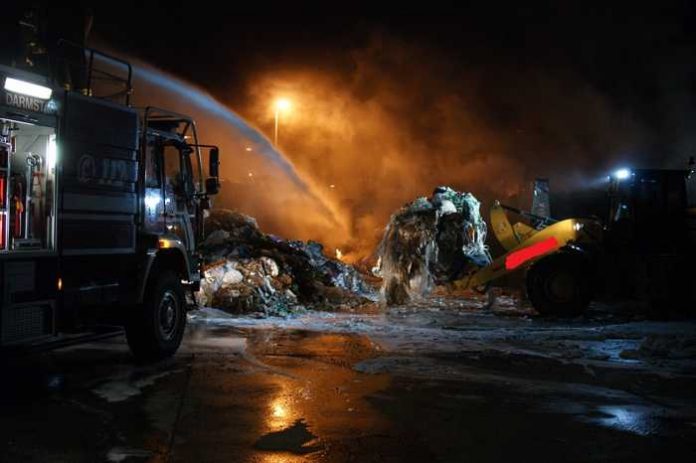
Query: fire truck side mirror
212	186
214	163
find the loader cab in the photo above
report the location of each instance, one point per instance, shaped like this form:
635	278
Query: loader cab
648	209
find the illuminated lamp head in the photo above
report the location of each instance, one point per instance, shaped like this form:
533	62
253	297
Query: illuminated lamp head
622	174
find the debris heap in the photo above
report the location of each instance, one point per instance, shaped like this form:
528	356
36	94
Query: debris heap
431	241
247	270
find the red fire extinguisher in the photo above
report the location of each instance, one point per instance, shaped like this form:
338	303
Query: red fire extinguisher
18	210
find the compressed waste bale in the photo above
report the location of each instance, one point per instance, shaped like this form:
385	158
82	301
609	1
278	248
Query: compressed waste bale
431	241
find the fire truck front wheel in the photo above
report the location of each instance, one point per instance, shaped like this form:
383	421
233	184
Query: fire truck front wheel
155	328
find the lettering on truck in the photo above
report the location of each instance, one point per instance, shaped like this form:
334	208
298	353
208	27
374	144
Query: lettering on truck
104	171
24	102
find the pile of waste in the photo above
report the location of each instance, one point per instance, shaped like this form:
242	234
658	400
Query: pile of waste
431	241
247	270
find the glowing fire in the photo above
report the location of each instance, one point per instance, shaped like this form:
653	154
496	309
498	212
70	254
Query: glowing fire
279	411
339	254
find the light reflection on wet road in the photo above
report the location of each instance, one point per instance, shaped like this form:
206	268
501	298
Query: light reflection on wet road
361	389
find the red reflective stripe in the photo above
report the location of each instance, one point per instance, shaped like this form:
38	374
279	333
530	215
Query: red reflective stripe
518	258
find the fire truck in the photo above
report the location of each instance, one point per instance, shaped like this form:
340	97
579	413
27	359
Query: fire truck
101	208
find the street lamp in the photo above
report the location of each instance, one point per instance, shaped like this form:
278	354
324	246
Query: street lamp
281	104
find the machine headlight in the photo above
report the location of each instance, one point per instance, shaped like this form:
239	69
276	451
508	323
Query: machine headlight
622	174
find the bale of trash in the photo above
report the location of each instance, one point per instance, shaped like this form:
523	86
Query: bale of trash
247	270
431	241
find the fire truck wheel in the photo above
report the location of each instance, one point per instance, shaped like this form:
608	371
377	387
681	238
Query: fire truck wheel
155	328
559	285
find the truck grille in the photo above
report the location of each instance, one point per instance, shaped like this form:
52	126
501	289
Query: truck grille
23	322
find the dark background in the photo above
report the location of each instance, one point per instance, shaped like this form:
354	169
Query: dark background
391	102
639	55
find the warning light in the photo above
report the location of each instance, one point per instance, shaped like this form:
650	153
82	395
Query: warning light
60	284
165	244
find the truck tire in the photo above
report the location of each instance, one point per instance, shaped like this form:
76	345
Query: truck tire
559	285
155	328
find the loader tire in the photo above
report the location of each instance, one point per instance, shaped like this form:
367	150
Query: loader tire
154	329
559	285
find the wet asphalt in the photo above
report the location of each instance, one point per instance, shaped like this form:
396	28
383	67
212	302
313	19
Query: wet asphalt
254	392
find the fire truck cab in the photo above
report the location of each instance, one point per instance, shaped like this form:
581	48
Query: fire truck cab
101	211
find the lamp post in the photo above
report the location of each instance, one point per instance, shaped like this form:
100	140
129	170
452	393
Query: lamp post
280	105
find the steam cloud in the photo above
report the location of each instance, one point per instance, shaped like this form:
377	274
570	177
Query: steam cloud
407	118
394	120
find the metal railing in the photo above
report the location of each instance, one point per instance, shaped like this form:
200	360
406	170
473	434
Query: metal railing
93	74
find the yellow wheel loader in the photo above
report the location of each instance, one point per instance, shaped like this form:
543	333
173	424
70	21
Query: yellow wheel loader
644	249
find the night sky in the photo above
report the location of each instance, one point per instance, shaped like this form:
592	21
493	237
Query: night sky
640	57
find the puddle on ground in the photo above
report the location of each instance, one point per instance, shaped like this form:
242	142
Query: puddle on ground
295	439
121	454
125	386
636	419
204	340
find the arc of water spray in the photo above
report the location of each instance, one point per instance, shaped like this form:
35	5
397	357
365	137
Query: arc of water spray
209	104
